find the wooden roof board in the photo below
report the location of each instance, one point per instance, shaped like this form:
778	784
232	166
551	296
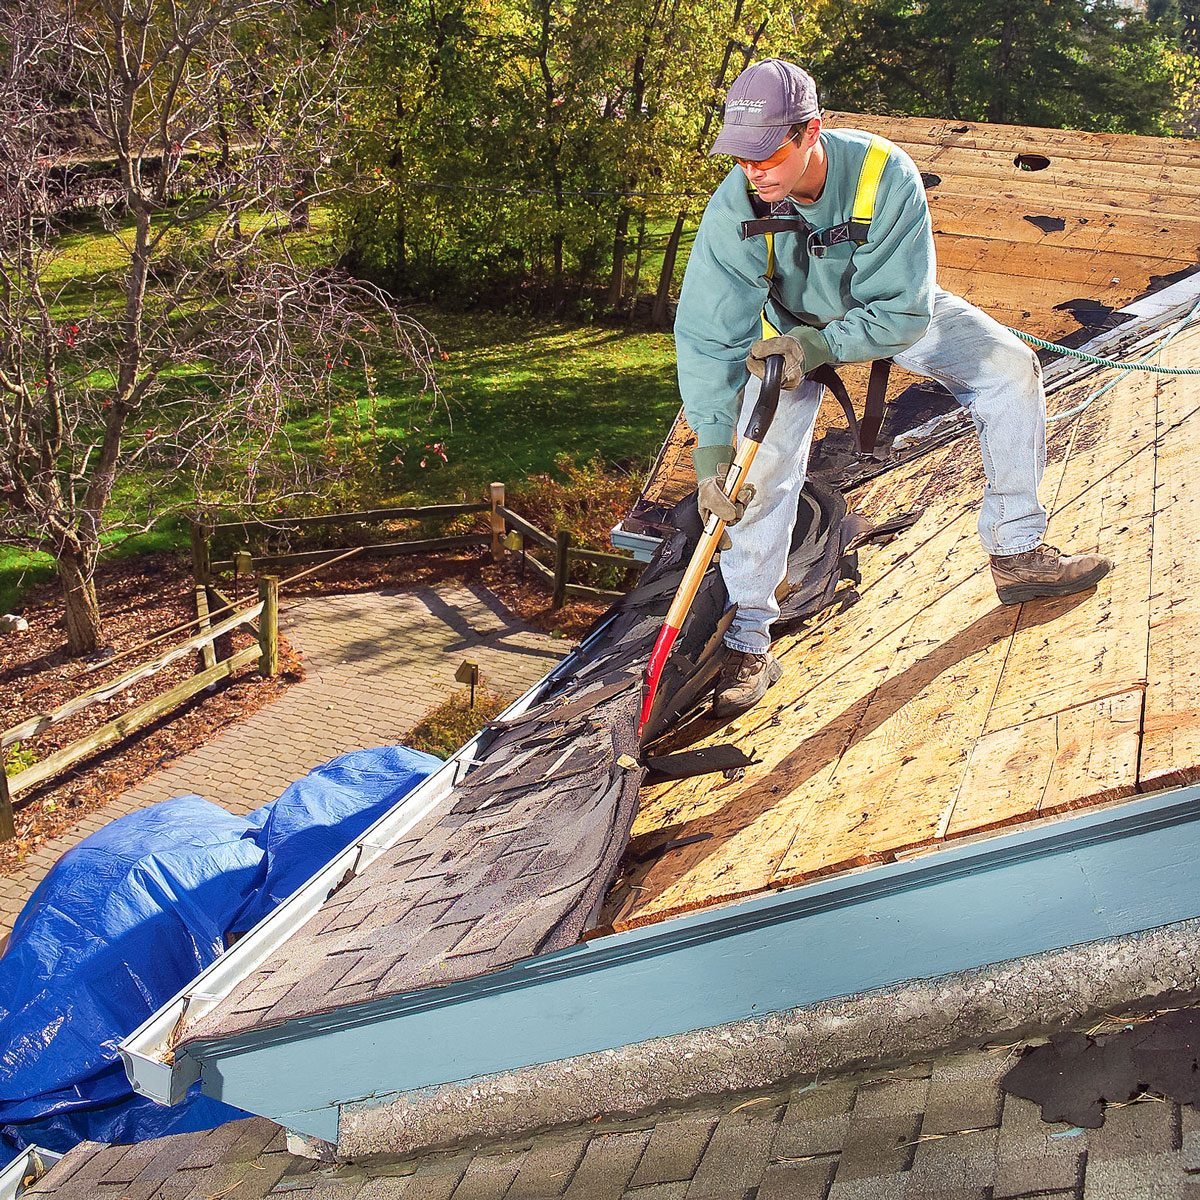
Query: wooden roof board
928	710
1130	201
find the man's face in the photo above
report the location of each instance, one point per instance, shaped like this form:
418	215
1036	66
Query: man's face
774	177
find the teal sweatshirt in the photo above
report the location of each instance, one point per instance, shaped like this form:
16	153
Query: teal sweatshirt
855	304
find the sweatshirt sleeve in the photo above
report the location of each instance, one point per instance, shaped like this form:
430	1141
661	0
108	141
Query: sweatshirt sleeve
892	283
717	319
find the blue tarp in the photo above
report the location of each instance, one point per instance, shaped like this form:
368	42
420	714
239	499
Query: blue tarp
128	917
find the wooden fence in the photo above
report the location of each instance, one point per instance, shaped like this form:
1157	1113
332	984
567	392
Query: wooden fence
202	539
505	522
213	604
509	533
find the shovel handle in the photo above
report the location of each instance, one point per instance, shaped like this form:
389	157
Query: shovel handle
756	430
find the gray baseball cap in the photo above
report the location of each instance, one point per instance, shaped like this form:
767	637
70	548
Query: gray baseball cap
763	104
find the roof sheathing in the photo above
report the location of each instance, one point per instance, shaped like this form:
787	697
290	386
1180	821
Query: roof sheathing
1105	216
928	711
1047	251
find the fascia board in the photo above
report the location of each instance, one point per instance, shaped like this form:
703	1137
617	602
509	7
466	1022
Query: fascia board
1105	873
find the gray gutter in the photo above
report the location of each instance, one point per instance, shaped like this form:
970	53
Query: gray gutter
148	1053
26	1169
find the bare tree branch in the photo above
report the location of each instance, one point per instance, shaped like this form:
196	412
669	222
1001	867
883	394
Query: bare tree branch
213	126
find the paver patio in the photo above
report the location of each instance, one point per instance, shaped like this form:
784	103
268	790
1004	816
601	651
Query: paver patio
375	662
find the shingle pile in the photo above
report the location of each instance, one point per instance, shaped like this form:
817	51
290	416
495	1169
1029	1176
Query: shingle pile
518	859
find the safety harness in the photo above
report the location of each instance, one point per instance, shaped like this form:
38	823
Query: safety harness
767	223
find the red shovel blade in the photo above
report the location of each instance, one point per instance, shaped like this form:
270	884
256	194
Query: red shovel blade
654	669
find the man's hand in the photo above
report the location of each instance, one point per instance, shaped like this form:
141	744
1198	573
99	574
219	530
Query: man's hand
711	498
793	359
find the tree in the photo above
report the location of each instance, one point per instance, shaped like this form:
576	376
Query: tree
520	139
1080	64
186	358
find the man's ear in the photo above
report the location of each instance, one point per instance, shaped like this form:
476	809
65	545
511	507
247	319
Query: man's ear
812	131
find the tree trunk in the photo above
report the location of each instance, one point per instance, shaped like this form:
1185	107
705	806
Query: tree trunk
635	282
616	285
1003	69
299	217
79	596
662	299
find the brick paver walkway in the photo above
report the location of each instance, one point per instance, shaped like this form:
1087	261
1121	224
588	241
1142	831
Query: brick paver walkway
929	1131
376	663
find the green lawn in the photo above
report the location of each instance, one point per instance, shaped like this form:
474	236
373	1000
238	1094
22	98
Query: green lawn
19	571
517	393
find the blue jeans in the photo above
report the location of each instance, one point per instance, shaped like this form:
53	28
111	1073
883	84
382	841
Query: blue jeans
988	370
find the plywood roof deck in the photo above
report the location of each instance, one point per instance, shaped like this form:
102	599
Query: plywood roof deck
928	711
1107	214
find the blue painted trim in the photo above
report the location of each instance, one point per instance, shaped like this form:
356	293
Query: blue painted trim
641	545
1101	874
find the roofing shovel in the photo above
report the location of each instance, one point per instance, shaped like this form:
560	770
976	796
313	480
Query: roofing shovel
756	430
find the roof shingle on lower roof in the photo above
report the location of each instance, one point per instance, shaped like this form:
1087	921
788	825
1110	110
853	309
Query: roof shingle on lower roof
514	863
935	1129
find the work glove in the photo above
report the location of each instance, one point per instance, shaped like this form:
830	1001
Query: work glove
793	359
711	498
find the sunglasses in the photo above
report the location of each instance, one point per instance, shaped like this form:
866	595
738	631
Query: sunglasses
765	164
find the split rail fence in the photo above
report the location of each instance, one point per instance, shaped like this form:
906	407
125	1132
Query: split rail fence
508	533
263	620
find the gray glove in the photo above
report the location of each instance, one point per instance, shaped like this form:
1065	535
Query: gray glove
793	359
711	498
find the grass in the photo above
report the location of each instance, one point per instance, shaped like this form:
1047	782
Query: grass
454	722
19	571
519	394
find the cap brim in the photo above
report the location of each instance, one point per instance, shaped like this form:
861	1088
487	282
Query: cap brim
750	141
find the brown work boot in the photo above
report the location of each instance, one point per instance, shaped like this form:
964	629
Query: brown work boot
743	681
1045	571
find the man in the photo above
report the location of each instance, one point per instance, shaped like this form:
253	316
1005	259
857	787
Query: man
833	289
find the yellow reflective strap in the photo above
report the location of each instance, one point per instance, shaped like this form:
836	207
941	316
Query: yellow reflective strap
868	179
769	330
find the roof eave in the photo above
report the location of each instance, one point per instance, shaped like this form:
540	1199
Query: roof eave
1110	872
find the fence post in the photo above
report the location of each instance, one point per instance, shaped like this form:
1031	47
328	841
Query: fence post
562	543
268	626
497	490
201	553
8	828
